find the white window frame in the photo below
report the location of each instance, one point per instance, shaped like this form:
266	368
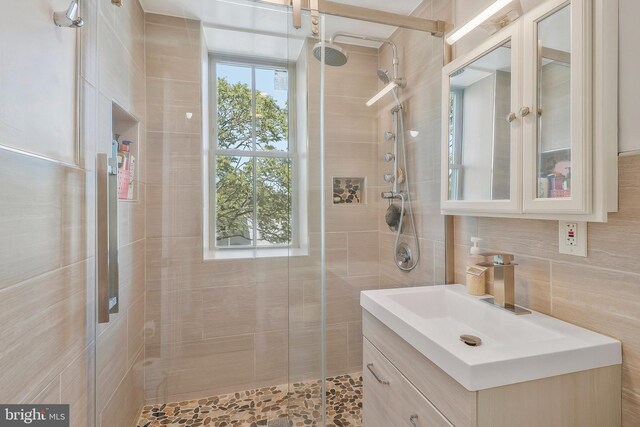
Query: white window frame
253	250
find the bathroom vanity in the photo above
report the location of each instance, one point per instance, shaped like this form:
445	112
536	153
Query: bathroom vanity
530	370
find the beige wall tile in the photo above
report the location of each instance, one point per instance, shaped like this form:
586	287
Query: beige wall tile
174	211
202	368
337	349
176	263
305	353
533	284
29	217
44	323
272	357
50	394
113	61
355	346
77	388
363	253
135	329
343	297
111	360
126	402
272	306
229	311
174	159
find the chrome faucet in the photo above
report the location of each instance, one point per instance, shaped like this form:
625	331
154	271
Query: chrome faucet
503	281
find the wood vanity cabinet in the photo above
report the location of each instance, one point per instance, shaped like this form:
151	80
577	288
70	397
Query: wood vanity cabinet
401	387
529	117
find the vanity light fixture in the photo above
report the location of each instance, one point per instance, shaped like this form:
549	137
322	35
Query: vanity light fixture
477	21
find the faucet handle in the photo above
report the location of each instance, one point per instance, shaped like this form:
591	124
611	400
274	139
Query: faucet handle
503	259
498	259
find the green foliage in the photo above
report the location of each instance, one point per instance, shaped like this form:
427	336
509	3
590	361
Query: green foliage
235	174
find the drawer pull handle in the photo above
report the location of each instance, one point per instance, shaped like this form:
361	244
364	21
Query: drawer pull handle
414	420
370	368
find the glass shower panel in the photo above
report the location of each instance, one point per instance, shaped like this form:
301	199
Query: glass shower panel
225	203
358	145
306	261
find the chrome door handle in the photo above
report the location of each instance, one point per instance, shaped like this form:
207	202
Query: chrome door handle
370	368
524	111
413	419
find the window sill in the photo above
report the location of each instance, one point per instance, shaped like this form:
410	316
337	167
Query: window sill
221	254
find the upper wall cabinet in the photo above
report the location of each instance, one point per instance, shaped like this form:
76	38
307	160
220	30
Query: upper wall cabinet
530	117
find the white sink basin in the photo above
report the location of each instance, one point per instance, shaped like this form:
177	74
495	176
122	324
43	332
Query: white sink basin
514	348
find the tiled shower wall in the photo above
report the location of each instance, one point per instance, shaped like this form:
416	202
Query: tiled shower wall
421	58
213	326
351	230
216	326
119	343
47	262
226	325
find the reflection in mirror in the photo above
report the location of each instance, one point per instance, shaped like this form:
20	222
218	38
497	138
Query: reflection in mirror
554	105
479	133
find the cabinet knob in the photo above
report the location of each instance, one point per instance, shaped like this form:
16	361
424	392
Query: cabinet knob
511	117
524	111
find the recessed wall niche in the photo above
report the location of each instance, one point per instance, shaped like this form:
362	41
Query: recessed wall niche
349	190
125	145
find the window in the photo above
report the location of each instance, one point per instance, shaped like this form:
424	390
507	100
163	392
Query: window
253	157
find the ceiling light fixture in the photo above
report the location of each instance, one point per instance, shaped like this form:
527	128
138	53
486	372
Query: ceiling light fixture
477	21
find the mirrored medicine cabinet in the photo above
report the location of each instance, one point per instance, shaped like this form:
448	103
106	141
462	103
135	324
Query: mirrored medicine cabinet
529	118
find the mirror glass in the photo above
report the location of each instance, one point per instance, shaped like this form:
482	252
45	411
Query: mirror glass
479	132
554	105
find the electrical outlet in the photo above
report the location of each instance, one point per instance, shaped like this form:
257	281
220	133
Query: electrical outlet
570	231
572	238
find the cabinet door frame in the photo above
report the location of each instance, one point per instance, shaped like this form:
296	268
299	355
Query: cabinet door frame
513	205
581	102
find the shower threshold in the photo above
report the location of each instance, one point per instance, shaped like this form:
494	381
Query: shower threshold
296	405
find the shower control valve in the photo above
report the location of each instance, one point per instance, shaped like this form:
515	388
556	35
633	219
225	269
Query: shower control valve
389	178
389	157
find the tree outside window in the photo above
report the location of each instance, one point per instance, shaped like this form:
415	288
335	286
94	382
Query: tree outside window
253	161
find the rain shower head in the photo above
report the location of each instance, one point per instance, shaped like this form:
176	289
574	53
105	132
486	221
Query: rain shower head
383	75
334	55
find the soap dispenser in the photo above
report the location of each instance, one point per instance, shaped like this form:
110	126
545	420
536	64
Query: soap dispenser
476	275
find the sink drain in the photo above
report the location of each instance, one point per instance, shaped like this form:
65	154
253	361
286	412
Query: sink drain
471	340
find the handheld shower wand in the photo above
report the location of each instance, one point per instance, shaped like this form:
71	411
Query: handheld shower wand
69	18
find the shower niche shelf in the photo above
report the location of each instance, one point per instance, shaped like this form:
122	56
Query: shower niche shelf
125	145
349	190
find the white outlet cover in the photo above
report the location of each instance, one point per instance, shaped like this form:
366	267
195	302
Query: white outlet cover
580	246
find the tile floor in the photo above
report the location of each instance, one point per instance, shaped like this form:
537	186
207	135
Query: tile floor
257	407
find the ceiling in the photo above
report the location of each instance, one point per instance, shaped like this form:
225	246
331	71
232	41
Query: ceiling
251	28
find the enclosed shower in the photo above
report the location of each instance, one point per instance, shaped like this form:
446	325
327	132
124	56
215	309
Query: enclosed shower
405	257
214	187
281	321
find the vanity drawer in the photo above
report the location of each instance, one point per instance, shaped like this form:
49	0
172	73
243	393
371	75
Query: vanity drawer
391	400
456	403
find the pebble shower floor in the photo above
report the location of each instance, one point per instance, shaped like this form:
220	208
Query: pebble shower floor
257	407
